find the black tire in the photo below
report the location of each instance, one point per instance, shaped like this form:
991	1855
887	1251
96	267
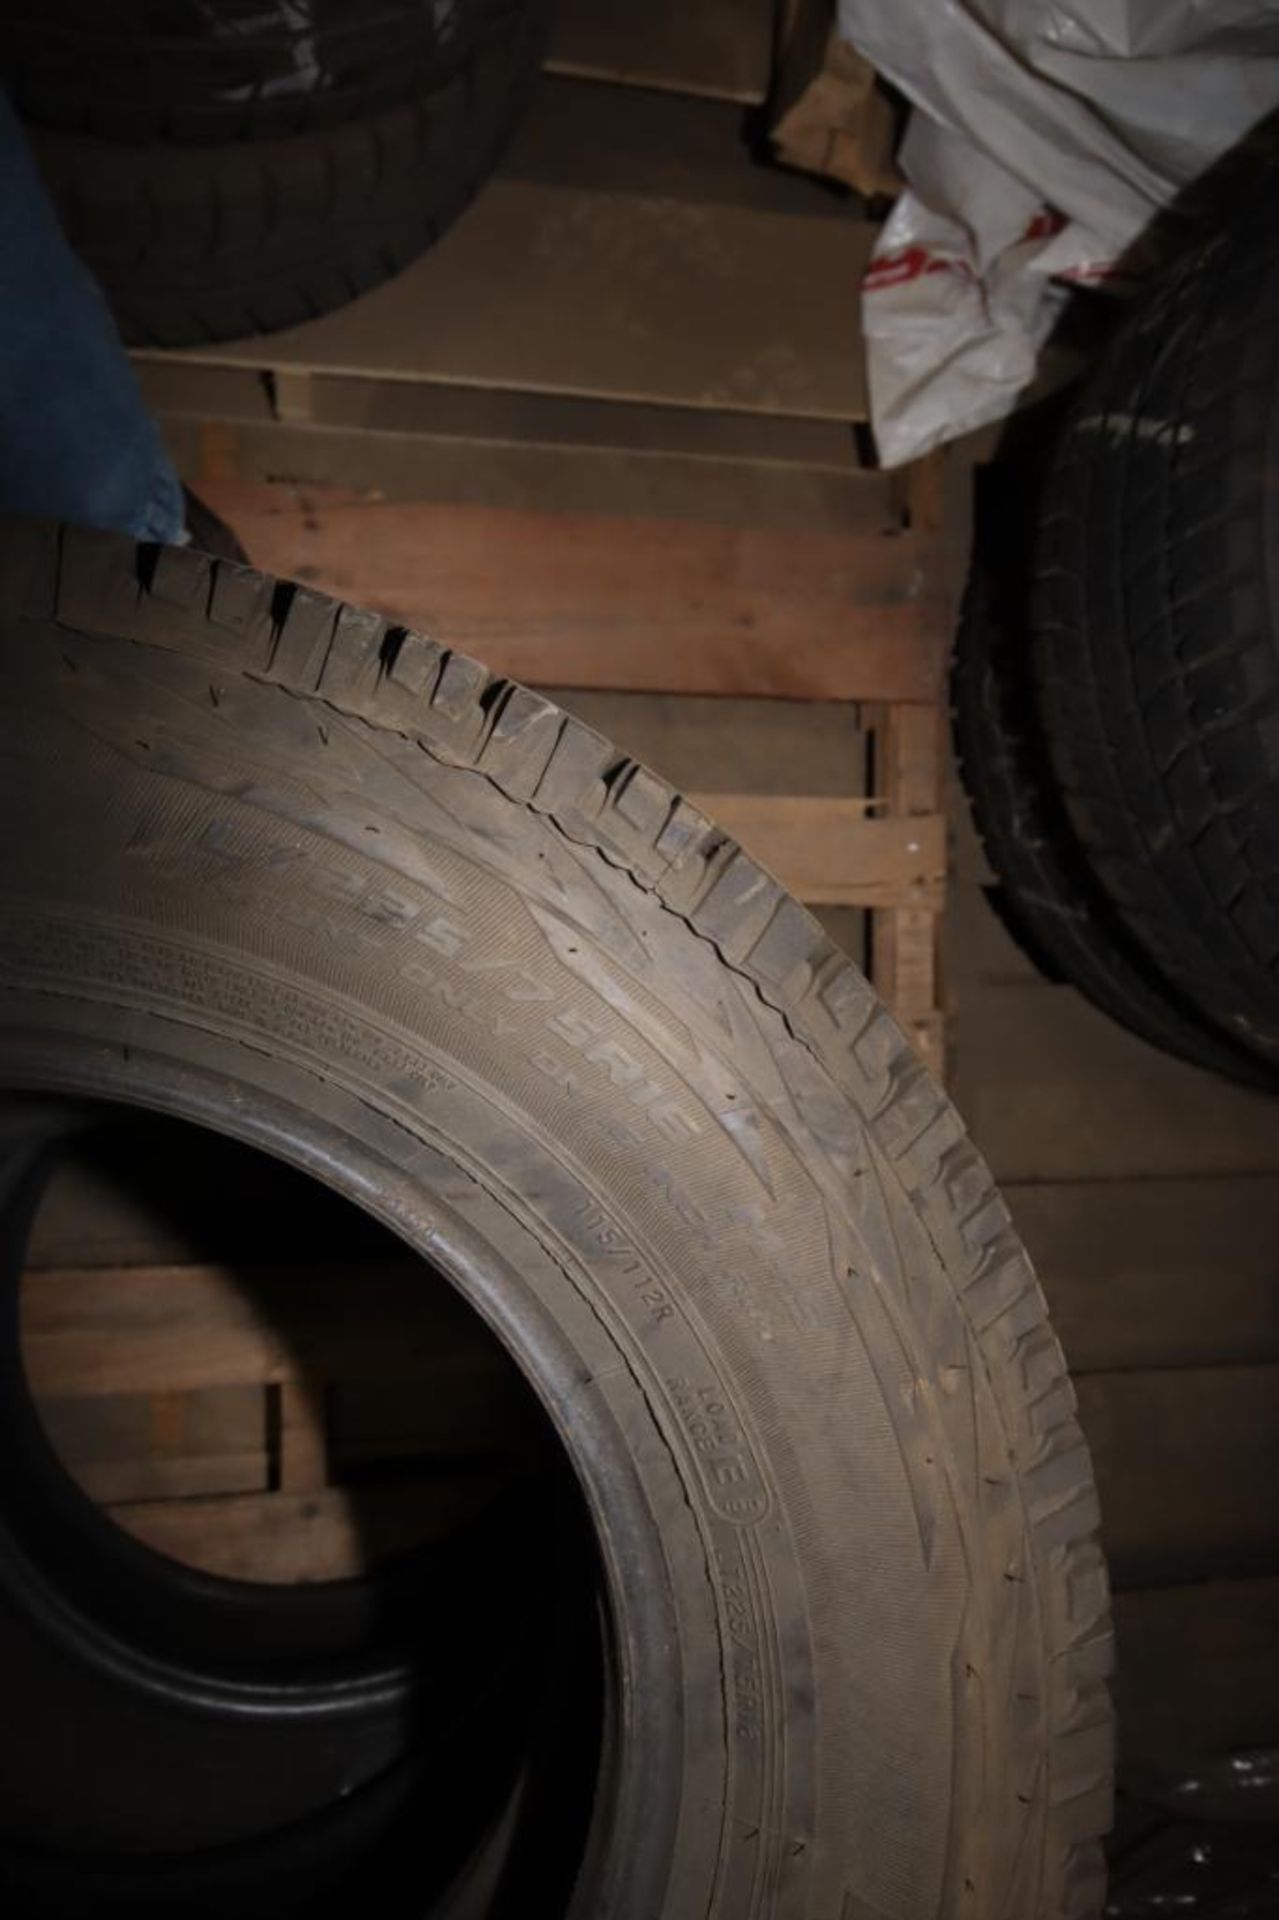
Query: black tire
1156	625
1045	893
195	243
312	880
206	71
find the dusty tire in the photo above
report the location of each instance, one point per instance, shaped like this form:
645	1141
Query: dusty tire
1156	625
1045	891
308	878
197	242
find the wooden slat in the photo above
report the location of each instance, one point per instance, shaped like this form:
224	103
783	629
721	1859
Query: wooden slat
602	465
828	851
1198	1670
437	417
333	1534
591	600
303	1442
130	1446
904	932
539	476
179	1329
1185	1464
725	745
621	296
1151	1273
718	48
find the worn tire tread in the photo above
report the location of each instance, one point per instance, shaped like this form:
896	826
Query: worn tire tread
454	710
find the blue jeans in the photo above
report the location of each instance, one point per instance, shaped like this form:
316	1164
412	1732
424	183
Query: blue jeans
76	440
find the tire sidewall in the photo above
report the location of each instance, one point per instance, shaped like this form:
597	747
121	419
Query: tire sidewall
757	1295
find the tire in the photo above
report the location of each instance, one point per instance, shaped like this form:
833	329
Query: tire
1156	644
1046	894
303	876
207	71
196	243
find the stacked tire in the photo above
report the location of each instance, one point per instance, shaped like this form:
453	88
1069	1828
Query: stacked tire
1116	690
228	167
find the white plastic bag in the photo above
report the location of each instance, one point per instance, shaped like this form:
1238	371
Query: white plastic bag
1043	139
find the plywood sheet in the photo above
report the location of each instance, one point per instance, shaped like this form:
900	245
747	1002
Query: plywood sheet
631	296
830	853
720	48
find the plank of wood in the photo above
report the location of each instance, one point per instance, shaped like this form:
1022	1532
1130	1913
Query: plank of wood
537	476
336	1533
904	933
1198	1670
591	600
1157	1273
723	745
130	1446
718	48
625	296
438	417
146	1330
302	1464
829	852
1185	1463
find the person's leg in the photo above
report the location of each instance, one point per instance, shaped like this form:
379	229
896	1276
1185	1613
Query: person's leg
76	440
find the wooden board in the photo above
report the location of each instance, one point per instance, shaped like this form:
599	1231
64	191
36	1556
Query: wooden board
593	600
184	1329
904	933
720	48
538	476
436	416
1185	1463
829	852
624	296
128	1446
1151	1273
332	1534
